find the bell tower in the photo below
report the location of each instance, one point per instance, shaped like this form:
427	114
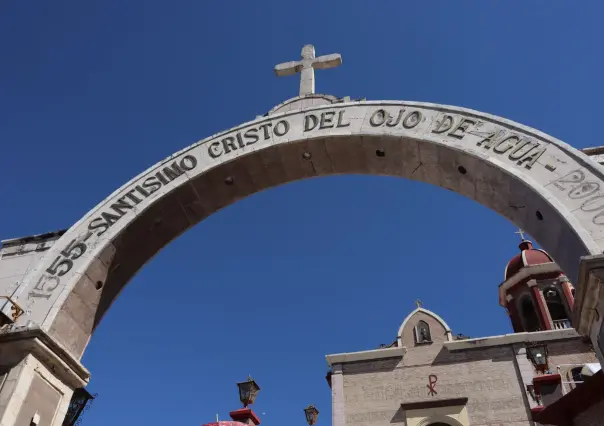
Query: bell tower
536	294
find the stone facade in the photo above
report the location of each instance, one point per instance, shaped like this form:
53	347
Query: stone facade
492	373
37	379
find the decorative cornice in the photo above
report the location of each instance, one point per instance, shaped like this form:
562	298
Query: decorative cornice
32	238
508	339
523	274
435	403
587	294
396	352
457	345
49	352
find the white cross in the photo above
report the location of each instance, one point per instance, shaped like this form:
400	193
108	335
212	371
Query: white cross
306	67
521	233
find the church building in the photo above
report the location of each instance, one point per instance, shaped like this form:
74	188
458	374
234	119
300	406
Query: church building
541	373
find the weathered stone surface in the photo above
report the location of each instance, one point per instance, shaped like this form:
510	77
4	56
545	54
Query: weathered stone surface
489	378
40	379
470	381
544	186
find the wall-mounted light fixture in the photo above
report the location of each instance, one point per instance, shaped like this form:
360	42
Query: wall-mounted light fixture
537	354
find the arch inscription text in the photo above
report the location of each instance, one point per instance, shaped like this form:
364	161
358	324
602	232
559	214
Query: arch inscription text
563	177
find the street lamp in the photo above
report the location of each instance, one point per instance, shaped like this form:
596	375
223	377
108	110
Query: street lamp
537	353
77	405
248	391
312	414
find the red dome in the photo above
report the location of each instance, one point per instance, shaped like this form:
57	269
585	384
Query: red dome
528	256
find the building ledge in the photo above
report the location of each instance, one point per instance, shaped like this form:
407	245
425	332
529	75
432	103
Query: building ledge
48	351
588	293
27	245
596	153
508	339
33	238
523	274
343	358
434	403
594	150
578	400
456	345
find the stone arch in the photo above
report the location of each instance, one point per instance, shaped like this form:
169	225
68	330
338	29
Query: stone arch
527	310
439	419
556	305
550	189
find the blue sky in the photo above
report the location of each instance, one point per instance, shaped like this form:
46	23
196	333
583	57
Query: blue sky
92	93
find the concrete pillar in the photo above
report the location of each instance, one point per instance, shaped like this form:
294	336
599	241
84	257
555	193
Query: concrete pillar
337	396
597	328
568	294
540	305
512	311
37	379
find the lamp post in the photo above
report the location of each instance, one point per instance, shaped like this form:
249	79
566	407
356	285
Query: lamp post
248	391
312	414
77	405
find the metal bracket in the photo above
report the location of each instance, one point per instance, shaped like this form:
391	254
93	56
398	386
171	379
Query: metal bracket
15	310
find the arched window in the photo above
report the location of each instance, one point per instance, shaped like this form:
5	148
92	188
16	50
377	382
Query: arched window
422	333
555	305
528	314
439	424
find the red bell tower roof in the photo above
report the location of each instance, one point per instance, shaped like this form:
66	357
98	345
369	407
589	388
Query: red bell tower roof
536	294
528	256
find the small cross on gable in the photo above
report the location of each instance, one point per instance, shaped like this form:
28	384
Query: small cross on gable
306	67
418	303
